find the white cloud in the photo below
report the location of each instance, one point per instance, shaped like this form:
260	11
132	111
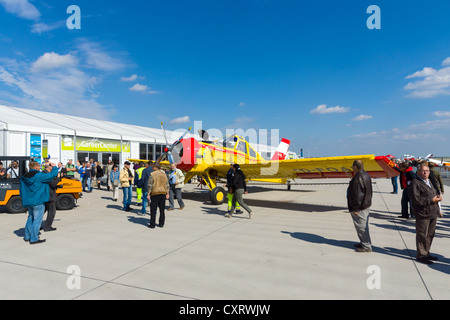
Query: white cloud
143	88
442	114
388	137
54	83
180	120
241	104
139	87
435	82
97	57
41	27
415	134
323	109
53	60
362	117
26	10
21	8
129	79
423	73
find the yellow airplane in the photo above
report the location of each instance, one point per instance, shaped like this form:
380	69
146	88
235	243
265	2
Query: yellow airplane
211	161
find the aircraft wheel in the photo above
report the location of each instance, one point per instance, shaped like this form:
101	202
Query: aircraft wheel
218	195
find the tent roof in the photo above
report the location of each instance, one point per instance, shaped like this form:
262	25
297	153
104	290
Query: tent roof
26	120
35	121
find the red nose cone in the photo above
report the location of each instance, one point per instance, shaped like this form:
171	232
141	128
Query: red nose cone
166	150
187	158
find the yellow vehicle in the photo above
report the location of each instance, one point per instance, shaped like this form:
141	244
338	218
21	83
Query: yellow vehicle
67	193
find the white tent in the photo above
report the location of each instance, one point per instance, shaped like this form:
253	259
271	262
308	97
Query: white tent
25	120
17	125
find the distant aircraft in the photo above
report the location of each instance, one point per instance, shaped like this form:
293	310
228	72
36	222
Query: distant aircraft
439	163
211	161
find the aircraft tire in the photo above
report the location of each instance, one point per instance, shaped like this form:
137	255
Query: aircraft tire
218	195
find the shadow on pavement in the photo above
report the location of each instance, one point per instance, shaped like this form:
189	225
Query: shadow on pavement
442	265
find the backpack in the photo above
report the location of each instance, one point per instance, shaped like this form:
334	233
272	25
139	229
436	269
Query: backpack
140	183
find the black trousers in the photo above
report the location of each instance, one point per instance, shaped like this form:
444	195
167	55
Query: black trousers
50	207
157	201
405	203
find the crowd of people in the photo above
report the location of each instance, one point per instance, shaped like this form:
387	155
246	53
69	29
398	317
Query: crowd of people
423	191
152	184
421	185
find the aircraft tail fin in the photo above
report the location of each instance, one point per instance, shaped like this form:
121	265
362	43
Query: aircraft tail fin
282	150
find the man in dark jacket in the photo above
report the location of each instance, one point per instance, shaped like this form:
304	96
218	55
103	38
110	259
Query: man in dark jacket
145	176
425	205
239	188
34	191
50	206
230	177
406	176
359	200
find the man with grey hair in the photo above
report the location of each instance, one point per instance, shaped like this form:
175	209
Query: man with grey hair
425	205
359	200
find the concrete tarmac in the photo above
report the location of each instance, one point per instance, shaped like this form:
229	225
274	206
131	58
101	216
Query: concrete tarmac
299	245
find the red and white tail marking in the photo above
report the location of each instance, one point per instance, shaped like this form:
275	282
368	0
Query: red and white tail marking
282	150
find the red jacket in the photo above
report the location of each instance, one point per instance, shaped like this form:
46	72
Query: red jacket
406	177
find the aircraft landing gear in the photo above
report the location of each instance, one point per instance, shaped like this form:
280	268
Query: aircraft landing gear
218	195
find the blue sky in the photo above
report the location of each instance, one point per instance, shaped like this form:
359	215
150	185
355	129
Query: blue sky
311	69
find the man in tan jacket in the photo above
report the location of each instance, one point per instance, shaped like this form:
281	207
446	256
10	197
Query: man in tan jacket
126	176
158	193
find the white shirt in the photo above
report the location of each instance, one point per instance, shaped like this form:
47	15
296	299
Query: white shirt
13	173
426	181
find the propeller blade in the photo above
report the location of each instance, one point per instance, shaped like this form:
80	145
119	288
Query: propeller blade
181	138
168	149
164	133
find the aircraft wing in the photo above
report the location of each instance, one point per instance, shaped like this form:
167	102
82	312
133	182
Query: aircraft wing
165	165
312	168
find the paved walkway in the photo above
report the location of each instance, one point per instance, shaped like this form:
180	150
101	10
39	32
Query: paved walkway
299	245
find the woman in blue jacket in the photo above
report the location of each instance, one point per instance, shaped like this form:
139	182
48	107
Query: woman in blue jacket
115	182
35	192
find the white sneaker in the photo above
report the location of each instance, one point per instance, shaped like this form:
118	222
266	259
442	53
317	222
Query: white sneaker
250	214
228	215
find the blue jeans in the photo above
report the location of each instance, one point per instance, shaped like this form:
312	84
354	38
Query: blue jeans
35	215
394	184
88	185
144	202
126	197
